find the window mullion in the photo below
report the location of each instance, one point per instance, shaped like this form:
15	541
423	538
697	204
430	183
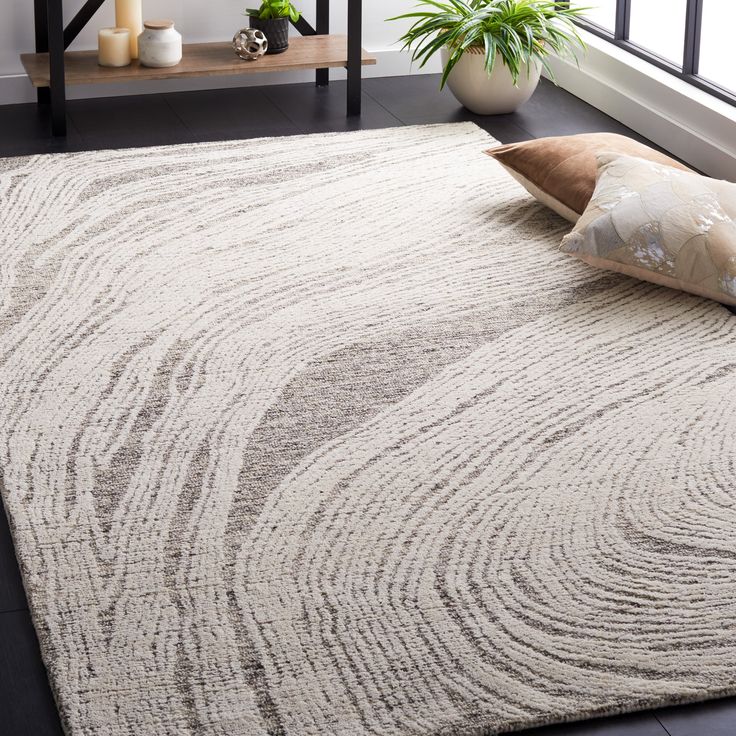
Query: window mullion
693	23
623	19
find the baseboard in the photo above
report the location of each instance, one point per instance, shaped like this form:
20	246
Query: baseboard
15	88
695	126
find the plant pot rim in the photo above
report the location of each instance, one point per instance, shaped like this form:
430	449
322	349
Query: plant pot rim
473	49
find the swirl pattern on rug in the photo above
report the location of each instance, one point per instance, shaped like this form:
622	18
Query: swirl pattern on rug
348	447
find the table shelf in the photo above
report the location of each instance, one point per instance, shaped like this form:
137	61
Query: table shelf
198	60
52	68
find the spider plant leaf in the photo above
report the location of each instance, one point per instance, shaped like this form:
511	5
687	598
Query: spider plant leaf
490	51
518	32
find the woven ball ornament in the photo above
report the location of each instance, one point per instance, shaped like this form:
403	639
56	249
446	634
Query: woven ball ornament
250	44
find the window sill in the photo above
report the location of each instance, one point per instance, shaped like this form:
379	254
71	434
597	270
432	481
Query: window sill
693	125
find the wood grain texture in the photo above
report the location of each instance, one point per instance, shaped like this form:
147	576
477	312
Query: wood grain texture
418	99
364	469
199	60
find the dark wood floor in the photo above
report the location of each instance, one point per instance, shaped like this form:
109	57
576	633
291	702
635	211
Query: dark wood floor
26	705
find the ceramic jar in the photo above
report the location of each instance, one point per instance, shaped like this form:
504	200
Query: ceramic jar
160	44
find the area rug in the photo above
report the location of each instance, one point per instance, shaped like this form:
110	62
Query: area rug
323	435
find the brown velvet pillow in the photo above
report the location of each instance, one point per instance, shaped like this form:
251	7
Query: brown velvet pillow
561	172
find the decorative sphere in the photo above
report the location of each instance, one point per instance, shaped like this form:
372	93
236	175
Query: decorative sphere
250	44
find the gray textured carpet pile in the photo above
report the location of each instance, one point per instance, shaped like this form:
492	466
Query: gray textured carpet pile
322	435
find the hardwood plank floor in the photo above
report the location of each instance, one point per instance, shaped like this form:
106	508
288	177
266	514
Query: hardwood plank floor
26	703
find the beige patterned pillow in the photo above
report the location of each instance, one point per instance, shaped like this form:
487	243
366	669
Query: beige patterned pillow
660	224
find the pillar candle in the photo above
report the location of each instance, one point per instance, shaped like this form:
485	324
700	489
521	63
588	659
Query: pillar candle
129	14
114	47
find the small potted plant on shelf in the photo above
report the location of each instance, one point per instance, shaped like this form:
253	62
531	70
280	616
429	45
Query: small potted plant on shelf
493	51
273	19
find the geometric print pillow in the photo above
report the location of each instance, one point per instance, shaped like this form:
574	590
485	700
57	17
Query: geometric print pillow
660	224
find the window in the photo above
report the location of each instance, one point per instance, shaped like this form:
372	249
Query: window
659	27
716	43
689	38
602	13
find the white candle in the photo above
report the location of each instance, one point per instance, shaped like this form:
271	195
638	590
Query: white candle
114	47
129	14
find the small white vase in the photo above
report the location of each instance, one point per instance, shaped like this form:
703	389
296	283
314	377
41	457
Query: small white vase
493	94
160	44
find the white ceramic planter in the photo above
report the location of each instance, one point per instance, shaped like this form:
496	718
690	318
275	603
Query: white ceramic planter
489	95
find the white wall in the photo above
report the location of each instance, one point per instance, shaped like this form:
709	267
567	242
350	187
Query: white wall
210	20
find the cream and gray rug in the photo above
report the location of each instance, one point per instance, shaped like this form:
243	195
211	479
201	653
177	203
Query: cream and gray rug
322	435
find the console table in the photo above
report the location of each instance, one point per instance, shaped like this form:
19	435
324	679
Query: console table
52	68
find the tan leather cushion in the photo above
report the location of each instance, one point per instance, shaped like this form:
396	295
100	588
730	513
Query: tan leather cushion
564	168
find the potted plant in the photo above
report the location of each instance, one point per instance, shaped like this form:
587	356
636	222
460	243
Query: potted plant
273	18
493	51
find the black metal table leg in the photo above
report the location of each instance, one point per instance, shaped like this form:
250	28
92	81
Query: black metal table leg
323	28
56	67
355	54
41	27
80	20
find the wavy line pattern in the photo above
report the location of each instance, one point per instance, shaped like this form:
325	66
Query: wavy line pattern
322	435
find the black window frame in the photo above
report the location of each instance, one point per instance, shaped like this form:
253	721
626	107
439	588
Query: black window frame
691	49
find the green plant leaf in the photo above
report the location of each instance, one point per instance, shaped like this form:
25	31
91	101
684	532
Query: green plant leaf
271	9
518	32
